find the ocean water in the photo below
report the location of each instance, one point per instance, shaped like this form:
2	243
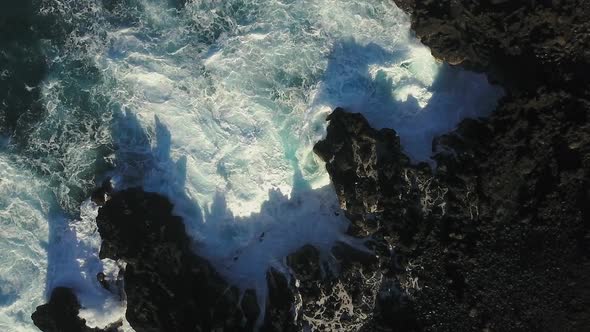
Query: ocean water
217	105
25	208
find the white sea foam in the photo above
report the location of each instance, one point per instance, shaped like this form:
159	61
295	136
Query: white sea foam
243	111
24	210
41	249
218	106
74	263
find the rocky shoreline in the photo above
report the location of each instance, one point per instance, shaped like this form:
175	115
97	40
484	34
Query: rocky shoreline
502	243
496	238
517	220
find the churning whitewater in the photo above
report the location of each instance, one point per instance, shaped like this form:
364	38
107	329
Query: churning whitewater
217	105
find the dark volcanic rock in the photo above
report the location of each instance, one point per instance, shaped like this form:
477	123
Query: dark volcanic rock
168	287
331	299
61	314
280	308
353	151
497	239
521	43
100	195
387	199
374	179
473	244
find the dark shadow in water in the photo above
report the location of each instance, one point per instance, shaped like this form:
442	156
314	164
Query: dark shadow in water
348	83
455	93
246	244
143	160
22	70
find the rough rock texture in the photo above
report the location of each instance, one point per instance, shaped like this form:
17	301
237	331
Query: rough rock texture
375	178
168	287
363	286
61	314
389	201
468	252
498	238
522	43
348	298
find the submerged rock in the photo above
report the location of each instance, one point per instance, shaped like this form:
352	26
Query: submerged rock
22	68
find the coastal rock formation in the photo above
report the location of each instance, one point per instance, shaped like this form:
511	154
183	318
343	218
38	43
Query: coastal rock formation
495	238
168	287
61	314
522	44
506	245
464	253
391	203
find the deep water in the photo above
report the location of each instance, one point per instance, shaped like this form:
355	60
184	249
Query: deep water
215	104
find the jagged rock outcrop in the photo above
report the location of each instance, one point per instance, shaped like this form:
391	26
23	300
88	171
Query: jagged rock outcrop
375	181
361	294
168	287
61	314
471	243
523	44
390	202
393	204
505	246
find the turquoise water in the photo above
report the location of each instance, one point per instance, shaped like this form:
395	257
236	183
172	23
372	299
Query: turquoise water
216	104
